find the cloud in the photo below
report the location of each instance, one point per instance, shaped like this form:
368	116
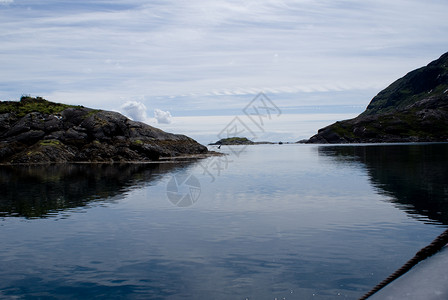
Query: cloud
135	110
162	117
213	49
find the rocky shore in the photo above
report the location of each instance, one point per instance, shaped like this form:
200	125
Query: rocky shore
412	109
34	130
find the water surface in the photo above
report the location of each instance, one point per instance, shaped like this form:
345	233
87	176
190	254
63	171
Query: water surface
264	222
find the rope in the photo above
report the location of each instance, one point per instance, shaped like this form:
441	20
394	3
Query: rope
424	253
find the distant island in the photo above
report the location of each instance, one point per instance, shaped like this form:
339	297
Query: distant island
240	141
34	130
412	109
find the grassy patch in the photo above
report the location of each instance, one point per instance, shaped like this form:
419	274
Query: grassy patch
92	113
29	104
50	143
343	131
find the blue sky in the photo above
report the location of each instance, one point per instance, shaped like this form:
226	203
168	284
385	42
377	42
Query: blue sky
204	61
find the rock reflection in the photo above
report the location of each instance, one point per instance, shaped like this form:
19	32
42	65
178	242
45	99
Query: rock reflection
41	191
415	176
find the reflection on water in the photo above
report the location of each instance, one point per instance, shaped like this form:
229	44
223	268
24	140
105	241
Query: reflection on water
41	191
281	221
414	175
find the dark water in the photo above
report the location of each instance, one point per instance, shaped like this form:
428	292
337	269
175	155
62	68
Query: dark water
265	222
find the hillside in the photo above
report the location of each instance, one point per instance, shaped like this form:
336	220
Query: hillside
412	109
34	130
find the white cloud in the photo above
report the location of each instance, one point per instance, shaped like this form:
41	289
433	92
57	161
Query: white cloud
162	117
135	110
6	1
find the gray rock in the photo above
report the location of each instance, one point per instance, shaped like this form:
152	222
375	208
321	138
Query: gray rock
52	123
29	137
61	133
74	135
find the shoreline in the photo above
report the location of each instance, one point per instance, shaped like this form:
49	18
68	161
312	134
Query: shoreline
162	160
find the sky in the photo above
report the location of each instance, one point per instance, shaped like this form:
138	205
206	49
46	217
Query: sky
192	66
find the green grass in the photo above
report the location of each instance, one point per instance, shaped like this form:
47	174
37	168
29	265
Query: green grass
343	131
29	104
92	113
50	143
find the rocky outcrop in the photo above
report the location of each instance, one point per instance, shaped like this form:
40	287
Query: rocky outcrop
412	109
234	141
240	141
35	130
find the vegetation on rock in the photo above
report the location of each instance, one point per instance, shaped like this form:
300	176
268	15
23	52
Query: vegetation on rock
35	130
29	104
412	109
234	141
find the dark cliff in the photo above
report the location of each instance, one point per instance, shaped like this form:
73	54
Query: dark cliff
412	109
35	130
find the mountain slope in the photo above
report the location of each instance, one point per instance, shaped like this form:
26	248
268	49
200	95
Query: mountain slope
412	109
35	130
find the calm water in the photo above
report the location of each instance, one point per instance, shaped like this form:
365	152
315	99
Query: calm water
265	222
